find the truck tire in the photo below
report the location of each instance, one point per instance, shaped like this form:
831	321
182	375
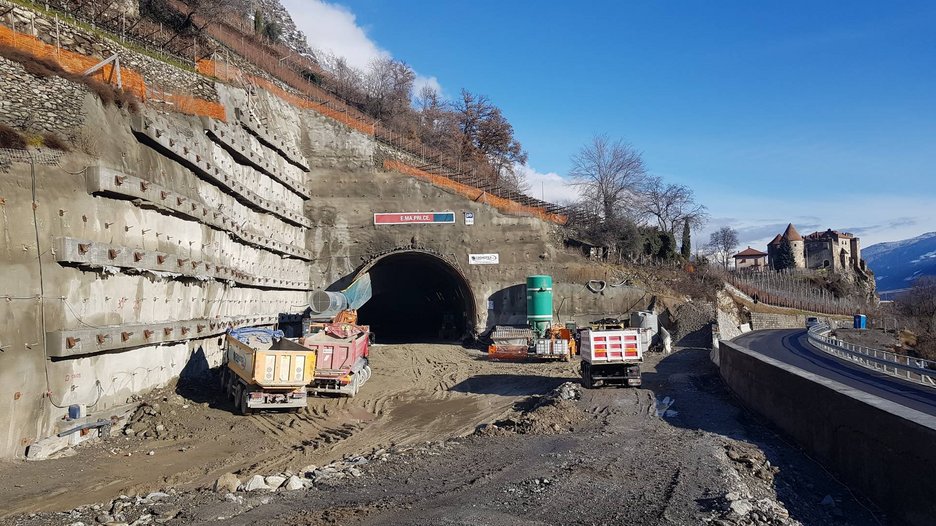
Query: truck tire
587	381
242	402
355	385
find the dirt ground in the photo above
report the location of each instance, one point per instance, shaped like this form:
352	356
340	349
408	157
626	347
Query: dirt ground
440	435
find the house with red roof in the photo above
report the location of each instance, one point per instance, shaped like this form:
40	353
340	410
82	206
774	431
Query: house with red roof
750	258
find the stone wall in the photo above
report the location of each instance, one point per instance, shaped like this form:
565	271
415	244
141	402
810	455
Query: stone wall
159	75
38	104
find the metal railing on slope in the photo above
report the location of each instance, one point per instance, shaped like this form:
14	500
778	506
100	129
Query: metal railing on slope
916	370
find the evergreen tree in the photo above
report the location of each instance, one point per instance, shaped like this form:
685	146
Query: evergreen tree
259	23
784	257
686	248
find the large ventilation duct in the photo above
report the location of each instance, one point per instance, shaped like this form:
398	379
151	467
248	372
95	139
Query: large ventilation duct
326	304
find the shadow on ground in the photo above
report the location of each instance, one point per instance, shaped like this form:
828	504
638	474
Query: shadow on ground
702	401
509	384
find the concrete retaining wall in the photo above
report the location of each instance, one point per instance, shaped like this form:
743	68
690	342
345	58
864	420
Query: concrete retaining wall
879	448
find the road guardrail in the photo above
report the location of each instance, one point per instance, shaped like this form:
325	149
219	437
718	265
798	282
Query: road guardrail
916	370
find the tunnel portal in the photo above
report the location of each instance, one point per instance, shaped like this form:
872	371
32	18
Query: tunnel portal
418	297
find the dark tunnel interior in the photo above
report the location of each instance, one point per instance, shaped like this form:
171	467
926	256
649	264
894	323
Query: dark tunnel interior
417	298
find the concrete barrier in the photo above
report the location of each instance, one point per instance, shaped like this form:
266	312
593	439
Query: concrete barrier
882	449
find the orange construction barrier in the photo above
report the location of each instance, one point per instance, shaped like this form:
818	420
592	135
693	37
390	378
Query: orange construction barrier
131	80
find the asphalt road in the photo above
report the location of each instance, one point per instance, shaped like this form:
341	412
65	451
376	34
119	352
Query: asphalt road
792	347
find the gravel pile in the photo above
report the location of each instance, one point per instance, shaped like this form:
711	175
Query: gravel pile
554	412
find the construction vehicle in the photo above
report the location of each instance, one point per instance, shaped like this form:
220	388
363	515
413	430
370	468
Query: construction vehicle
342	346
541	338
612	357
263	370
342	363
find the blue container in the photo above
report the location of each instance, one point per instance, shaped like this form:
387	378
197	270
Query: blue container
74	412
861	321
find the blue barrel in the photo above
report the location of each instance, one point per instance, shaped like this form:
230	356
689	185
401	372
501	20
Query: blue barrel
861	321
539	303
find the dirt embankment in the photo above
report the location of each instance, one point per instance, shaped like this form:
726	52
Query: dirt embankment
442	436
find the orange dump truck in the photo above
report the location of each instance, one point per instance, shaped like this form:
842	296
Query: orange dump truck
263	370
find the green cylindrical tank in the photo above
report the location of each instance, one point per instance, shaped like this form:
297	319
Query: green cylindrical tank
539	302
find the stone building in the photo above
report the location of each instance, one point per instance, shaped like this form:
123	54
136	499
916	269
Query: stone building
833	250
796	243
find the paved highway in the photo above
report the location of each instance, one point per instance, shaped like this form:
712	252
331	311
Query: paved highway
792	347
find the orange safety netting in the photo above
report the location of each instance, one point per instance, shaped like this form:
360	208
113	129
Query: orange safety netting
131	80
475	194
230	73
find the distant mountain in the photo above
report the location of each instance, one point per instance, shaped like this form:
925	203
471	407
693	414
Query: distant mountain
898	263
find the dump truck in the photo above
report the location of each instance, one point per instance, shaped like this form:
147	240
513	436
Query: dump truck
612	357
263	370
342	357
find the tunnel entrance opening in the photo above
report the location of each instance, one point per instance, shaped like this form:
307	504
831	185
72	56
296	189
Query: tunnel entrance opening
418	297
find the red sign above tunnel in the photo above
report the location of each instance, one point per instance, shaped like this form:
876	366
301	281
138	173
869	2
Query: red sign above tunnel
407	218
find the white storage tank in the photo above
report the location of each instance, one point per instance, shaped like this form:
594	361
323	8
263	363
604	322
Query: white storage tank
645	319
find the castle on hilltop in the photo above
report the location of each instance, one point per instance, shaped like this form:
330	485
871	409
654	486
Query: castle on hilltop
832	250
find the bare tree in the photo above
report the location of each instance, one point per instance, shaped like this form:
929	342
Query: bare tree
671	205
609	173
486	136
723	242
388	85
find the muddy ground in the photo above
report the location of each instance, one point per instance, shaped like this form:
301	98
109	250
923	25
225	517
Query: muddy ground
440	435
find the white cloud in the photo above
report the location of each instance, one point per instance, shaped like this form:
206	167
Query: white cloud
421	81
334	28
550	187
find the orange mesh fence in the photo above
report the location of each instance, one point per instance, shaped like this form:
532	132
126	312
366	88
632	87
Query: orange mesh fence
500	203
231	74
131	80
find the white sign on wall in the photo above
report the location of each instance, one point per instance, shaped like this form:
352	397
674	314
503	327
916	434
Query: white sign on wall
483	259
469	218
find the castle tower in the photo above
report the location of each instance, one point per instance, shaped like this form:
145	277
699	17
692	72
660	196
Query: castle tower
772	248
797	244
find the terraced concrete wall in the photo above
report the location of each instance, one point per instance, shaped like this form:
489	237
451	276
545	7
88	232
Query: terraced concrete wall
882	449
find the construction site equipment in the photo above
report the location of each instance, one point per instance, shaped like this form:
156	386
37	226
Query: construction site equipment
325	305
263	370
342	365
539	298
540	339
612	357
510	343
558	342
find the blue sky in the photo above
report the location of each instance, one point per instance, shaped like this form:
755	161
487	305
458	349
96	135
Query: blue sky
823	114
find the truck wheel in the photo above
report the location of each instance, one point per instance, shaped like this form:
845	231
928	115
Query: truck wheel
242	405
587	381
355	385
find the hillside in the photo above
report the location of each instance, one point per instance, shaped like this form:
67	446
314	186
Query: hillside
896	264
